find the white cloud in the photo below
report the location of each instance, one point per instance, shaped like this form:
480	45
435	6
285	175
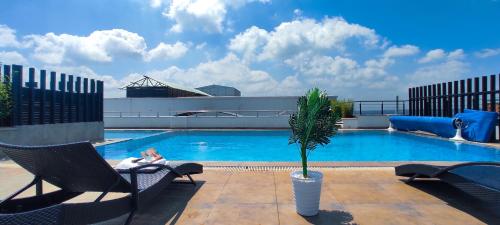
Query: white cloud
405	50
433	55
249	42
446	71
453	67
206	15
291	85
321	65
439	54
8	37
297	12
99	46
488	52
240	3
166	51
12	57
323	54
155	3
457	54
340	73
331	33
201	15
201	46
291	38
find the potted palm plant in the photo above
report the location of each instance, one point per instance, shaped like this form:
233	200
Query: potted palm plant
312	125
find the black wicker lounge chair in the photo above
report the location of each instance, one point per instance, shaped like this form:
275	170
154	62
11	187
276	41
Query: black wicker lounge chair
77	168
478	179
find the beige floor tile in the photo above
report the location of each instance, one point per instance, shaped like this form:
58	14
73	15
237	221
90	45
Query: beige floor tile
246	194
330	215
440	214
249	188
172	212
194	215
214	176
282	177
252	178
360	193
207	193
407	193
242	214
284	190
13	179
384	214
359	176
174	205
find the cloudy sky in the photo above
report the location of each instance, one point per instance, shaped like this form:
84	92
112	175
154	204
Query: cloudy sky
358	49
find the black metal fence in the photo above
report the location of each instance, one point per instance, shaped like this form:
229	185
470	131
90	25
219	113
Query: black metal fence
75	99
449	98
380	107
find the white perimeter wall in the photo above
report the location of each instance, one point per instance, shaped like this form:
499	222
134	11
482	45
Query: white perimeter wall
165	105
50	134
375	121
155	112
198	122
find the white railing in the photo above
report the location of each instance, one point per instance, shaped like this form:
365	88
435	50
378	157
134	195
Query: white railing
202	113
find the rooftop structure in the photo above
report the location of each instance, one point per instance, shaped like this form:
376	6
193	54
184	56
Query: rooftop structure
148	87
219	90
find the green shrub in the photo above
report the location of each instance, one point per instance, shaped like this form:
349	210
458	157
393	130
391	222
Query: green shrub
343	108
5	100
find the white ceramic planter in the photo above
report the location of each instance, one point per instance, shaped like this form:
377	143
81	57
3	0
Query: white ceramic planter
307	192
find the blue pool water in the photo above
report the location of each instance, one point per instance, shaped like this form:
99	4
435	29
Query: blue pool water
273	146
120	134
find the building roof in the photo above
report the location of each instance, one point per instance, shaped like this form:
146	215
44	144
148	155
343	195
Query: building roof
220	90
216	85
147	81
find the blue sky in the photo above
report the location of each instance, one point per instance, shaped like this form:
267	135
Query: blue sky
356	49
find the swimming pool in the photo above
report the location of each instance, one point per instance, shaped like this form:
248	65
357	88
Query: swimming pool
272	146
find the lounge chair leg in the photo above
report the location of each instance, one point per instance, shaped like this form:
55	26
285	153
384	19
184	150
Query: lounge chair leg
412	178
129	218
39	187
191	179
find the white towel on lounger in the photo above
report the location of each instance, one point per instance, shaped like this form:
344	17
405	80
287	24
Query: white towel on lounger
128	163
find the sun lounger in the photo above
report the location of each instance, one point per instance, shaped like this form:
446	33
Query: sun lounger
478	179
77	168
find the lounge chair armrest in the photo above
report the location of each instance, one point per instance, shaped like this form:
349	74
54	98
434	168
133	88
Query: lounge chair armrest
464	165
137	169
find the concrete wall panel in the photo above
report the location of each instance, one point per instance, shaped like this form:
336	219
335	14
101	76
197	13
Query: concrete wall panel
47	134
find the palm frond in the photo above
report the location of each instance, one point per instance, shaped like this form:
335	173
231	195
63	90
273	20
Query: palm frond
314	122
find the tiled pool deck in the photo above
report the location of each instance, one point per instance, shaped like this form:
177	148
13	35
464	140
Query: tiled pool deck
349	196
